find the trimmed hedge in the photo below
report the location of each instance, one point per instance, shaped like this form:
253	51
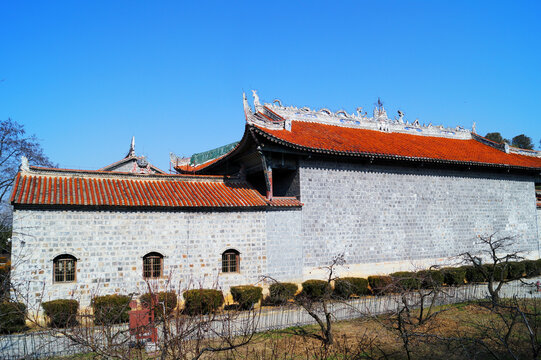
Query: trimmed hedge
380	284
345	287
280	293
454	276
474	275
246	295
4	280
430	278
61	313
167	301
111	309
12	317
315	289
202	301
405	280
532	268
516	270
500	273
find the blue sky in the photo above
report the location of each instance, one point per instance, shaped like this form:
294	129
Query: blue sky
87	76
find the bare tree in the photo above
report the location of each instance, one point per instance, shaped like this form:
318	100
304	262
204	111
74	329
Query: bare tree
180	335
319	307
14	143
495	250
417	296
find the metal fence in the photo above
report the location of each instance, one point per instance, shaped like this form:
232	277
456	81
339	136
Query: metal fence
43	344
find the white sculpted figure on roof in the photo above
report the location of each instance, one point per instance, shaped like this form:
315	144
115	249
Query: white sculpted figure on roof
276	116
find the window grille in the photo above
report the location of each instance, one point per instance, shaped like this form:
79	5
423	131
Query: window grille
230	261
64	268
152	266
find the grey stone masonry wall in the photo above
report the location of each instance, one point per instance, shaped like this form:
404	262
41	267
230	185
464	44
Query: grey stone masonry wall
284	245
109	246
377	214
539	230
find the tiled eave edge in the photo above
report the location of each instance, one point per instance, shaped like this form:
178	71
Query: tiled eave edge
369	155
153	208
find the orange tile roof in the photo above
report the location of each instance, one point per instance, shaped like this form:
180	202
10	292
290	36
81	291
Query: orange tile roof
350	141
105	189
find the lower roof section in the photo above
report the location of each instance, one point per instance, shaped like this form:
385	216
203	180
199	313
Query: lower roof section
60	187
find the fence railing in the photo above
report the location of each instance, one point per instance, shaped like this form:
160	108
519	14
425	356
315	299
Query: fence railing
43	344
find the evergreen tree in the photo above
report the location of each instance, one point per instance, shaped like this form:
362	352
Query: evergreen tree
522	141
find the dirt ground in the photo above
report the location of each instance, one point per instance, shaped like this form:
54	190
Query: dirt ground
462	331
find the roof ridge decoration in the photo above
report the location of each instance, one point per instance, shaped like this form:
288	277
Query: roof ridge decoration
275	116
104	174
132	148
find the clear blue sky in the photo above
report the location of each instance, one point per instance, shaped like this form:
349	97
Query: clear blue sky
85	76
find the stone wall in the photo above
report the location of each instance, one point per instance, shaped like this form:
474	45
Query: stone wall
385	219
539	231
284	245
109	246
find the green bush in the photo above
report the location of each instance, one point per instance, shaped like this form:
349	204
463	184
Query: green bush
167	302
280	293
12	317
473	274
531	268
500	274
405	280
246	295
4	280
111	309
454	276
61	313
315	289
516	270
345	287
380	284
202	301
430	278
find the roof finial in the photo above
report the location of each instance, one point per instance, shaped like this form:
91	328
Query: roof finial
247	109
132	147
473	129
24	164
256	98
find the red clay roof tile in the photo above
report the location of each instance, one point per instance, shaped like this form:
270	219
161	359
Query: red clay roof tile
345	140
103	189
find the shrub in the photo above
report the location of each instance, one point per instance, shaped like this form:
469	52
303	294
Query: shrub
246	295
280	293
430	278
62	313
111	309
473	275
12	317
4	280
531	268
405	280
500	273
538	266
348	286
167	302
454	276
380	284
202	301
516	270
315	289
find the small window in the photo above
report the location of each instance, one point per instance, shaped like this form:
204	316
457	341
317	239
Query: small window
64	267
230	261
152	265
